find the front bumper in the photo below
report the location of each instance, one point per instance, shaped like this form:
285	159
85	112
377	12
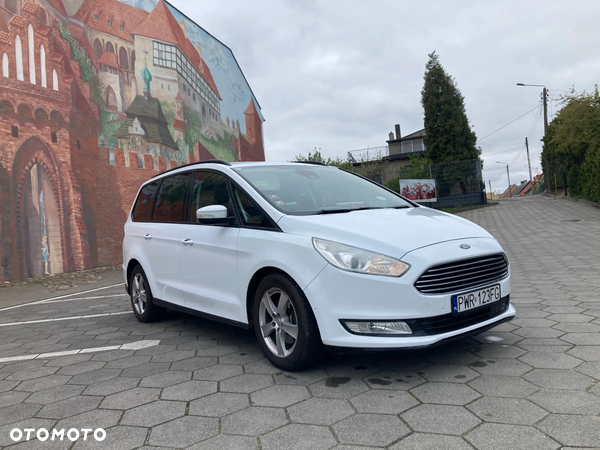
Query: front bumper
339	295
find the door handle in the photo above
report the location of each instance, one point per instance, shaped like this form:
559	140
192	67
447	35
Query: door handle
147	236
187	241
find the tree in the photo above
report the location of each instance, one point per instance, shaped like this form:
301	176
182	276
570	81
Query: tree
572	145
317	157
448	135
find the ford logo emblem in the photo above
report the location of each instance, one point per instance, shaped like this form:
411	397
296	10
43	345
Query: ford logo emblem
465	246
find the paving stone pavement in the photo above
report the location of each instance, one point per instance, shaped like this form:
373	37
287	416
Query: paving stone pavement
532	383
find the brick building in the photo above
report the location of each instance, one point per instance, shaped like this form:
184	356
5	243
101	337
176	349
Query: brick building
63	198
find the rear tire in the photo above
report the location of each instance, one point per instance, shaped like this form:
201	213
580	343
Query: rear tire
285	325
142	302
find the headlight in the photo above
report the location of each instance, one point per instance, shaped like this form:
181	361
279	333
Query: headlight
357	260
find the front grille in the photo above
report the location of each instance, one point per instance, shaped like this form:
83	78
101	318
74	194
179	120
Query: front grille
464	274
453	322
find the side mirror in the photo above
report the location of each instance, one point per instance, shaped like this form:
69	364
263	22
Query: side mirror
214	215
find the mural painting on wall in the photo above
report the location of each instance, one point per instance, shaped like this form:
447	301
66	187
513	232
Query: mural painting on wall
97	96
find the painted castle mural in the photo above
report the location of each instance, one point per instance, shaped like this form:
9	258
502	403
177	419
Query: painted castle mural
97	96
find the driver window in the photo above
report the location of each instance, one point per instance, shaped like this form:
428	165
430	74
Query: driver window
252	215
209	189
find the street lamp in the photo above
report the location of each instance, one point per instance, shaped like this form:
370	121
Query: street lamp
545	97
507	173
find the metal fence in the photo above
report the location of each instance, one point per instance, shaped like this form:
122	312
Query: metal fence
458	183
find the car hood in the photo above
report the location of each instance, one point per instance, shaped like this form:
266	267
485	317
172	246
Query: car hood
392	232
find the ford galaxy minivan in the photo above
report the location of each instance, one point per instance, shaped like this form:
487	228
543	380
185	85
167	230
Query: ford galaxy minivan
312	258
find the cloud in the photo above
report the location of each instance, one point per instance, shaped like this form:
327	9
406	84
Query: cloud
338	75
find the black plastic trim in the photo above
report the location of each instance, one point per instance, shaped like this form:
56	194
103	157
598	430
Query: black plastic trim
458	337
207	161
203	315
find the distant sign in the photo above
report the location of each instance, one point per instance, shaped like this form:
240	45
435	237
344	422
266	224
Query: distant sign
419	190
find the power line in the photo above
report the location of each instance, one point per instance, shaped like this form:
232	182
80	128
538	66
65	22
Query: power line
513	121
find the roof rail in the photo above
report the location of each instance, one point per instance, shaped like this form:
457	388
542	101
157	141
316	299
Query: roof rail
207	161
316	163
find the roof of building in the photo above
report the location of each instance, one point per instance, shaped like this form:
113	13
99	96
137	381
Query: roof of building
416	134
97	14
18	21
520	187
152	119
162	25
251	109
30	7
59	6
109	59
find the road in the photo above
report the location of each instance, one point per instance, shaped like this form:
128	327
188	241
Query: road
184	382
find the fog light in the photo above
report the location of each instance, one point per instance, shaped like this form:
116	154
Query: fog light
365	327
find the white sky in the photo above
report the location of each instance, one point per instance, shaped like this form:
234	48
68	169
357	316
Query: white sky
338	74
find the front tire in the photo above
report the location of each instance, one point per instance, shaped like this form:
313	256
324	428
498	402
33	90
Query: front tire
142	301
285	325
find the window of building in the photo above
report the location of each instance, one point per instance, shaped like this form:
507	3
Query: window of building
43	66
53	137
19	58
96	16
170	199
54	80
14	131
122	26
142	211
110	23
194	96
209	189
169	87
171	57
5	73
78	145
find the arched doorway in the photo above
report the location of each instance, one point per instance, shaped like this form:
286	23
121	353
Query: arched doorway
39	217
123	58
98	48
110	99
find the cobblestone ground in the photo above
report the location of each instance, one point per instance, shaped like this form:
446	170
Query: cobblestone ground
529	384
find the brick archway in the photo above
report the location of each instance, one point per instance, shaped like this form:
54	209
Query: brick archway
39	210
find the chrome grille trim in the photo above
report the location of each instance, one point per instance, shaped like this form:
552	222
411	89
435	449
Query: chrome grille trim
463	274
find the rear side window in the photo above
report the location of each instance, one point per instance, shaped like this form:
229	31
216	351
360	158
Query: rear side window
142	210
171	198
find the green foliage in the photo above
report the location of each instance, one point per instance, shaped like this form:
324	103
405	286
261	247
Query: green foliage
88	71
109	128
572	145
317	157
168	109
448	135
419	169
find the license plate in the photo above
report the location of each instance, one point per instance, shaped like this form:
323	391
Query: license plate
475	299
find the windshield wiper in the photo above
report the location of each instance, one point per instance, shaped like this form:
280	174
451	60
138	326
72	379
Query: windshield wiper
343	210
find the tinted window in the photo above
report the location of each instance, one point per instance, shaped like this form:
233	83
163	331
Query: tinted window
252	215
210	188
142	211
302	189
171	198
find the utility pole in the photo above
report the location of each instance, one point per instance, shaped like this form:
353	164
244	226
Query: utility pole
528	160
509	187
491	193
545	98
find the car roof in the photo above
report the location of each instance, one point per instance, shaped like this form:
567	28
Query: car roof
221	164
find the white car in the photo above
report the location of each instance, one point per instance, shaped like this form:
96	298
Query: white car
312	257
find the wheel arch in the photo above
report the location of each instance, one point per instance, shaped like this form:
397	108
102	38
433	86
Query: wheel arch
258	276
130	266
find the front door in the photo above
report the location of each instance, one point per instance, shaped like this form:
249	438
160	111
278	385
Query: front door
209	258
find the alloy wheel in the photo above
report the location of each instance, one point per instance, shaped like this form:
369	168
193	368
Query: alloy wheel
278	322
138	293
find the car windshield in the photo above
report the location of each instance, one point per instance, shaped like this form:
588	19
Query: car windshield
303	189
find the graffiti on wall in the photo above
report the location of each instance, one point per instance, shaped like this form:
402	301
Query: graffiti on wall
96	96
